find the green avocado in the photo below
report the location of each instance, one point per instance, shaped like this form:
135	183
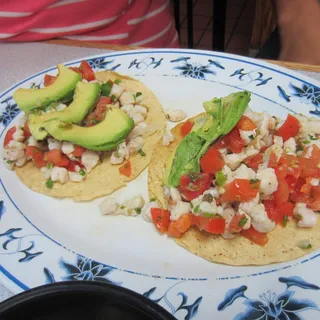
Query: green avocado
85	97
29	99
104	136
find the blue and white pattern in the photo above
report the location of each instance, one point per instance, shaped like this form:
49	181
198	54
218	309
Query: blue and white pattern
32	226
270	305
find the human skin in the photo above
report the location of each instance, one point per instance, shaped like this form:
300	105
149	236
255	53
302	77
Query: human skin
299	26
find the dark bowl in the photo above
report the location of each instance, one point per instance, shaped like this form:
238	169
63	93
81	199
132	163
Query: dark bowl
81	300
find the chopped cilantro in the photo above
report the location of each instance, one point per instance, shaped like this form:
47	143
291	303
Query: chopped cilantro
49	183
300	149
82	172
113	98
49	165
306	141
243	221
196	209
117	81
312	137
106	88
252	181
208	215
138	210
251	137
191	205
221	179
285	221
305	244
142	153
9	161
122	207
138	94
153	199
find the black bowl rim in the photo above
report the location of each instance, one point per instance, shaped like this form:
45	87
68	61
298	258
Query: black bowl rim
122	294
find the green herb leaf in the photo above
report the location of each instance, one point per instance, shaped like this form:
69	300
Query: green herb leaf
142	153
221	179
208	215
9	161
49	183
251	137
285	221
196	209
117	81
306	141
305	244
191	205
49	165
312	137
138	94
243	221
106	88
153	199
138	210
122	207
299	149
113	98
82	172
252	181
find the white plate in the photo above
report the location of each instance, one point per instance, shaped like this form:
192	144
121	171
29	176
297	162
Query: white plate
43	240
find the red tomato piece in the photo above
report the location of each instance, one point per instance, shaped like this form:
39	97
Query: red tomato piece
290	128
78	151
9	136
87	71
161	219
26	130
272	160
291	165
240	190
212	161
48	80
194	184
57	158
77	70
278	212
315	199
222	143
173	231
256	237
125	169
270	206
186	128
246	124
183	223
216	226
281	195
310	168
291	181
253	162
235	142
37	156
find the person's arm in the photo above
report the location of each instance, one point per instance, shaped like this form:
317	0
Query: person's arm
299	25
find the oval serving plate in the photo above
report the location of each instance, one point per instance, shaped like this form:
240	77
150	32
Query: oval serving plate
45	240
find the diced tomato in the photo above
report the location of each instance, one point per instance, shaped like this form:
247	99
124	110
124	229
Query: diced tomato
78	151
291	181
186	128
9	136
194	184
291	165
161	219
253	162
315	154
87	71
211	225
58	159
310	168
278	212
26	130
256	237
272	160
235	142
212	161
263	149
315	198
184	223
73	164
281	195
77	70
236	223
306	188
246	124
173	231
296	195
125	169
37	156
240	190
290	128
222	143
48	80
98	114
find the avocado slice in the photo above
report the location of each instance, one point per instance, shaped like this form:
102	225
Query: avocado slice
104	136
29	99
85	97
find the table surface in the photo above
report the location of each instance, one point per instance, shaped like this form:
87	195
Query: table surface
25	59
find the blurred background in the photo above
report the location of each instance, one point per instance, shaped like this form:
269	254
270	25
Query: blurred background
233	26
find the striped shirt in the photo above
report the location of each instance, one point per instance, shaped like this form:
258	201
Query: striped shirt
147	23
